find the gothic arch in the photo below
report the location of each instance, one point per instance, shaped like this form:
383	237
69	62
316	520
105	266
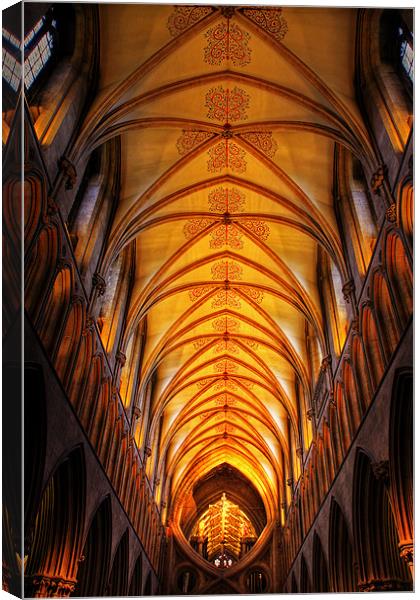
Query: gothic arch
58	106
305	582
376	70
380	565
56	544
148	585
389	329
319	567
68	344
39	267
118	578
401	460
372	345
56	307
136	583
400	275
94	562
340	552
406	211
35	443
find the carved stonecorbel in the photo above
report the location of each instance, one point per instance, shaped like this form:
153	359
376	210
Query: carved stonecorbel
289	482
136	412
148	451
326	363
69	171
99	283
381	470
355	325
391	213
283	505
332	399
378	179
310	414
52	207
121	358
407	551
62	264
299	451
157	482
348	290
89	326
77	299
56	587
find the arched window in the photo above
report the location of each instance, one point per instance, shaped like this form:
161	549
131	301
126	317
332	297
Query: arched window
130	369
363	216
114	300
335	306
40	46
11	60
405	40
397	43
47	37
355	211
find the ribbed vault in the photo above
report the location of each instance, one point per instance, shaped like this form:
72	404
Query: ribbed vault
228	120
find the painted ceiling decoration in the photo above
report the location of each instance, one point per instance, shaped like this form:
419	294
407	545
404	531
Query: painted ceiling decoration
185	17
227	42
227	119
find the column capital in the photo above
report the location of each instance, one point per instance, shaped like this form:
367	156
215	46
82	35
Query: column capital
99	283
68	169
407	551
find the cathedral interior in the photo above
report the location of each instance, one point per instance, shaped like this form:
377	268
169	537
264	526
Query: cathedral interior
217	315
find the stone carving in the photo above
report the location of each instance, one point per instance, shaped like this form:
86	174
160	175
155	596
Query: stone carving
99	284
69	171
381	470
391	213
348	290
378	179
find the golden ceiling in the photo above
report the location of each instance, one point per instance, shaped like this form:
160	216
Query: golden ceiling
228	119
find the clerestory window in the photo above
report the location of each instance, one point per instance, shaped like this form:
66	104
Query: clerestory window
406	52
38	50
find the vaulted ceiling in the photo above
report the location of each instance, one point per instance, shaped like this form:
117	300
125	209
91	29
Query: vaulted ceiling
228	118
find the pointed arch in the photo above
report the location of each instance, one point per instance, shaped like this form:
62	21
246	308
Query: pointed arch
94	563
57	537
319	569
135	588
401	460
376	539
343	577
400	275
372	345
118	578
